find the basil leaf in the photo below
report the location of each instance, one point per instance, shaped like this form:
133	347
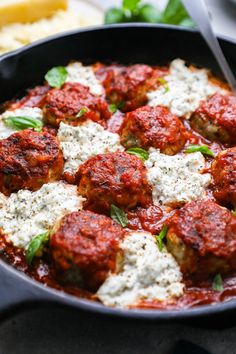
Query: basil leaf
204	149
56	77
82	112
164	83
21	123
160	237
217	284
130	5
233	212
187	22
139	152
121	104
114	15
118	215
36	246
149	13
174	13
166	87
162	80
112	108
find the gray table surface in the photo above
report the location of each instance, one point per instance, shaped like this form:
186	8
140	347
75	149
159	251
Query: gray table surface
62	331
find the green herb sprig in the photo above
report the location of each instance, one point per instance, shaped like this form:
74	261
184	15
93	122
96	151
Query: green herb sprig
164	83
118	215
176	14
217	284
36	246
56	76
82	112
139	152
138	11
160	237
204	149
112	107
20	123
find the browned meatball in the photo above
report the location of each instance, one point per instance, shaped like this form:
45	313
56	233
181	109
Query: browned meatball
216	118
153	127
64	105
28	160
116	178
202	238
35	98
224	175
127	86
85	248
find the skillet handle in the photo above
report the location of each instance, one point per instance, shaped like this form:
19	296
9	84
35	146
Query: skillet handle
16	291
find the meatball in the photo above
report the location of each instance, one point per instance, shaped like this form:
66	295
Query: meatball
153	127
224	176
72	104
115	178
215	119
202	238
127	86
85	248
35	98
28	160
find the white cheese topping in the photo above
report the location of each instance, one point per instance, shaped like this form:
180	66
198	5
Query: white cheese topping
84	75
85	141
147	274
176	179
28	112
184	90
26	214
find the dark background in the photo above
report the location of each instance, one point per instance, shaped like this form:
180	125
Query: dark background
66	331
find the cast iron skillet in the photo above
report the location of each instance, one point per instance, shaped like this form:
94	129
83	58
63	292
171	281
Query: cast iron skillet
129	43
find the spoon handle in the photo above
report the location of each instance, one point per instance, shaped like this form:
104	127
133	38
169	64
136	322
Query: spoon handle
198	11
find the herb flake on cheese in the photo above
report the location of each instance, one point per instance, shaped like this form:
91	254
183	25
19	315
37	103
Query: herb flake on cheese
85	141
26	214
176	179
147	274
186	89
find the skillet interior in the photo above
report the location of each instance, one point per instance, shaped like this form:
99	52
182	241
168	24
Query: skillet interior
151	44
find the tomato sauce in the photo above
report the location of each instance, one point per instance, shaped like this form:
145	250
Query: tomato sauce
148	217
195	294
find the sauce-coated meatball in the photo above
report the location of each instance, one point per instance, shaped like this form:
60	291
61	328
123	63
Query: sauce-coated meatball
127	86
73	99
115	178
85	248
215	119
153	127
224	175
28	160
202	238
35	98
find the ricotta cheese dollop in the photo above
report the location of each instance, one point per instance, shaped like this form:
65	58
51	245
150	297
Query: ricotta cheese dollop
85	141
184	89
28	112
147	274
176	179
26	214
84	75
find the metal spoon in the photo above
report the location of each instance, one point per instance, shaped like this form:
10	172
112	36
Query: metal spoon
198	11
